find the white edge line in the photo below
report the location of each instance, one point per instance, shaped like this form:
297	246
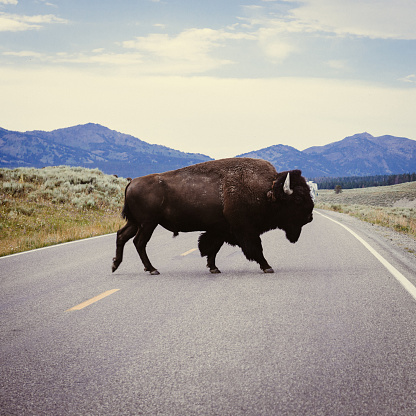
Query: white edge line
55	245
399	276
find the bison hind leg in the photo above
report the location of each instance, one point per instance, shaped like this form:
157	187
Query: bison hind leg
123	235
143	235
209	244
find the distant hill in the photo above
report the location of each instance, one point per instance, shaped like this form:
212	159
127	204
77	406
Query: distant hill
358	155
95	146
288	158
91	146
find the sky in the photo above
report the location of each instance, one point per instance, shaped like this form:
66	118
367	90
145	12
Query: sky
216	77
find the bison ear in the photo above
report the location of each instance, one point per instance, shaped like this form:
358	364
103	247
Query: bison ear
270	194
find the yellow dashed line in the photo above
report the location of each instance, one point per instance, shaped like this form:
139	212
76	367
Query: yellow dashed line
188	252
92	300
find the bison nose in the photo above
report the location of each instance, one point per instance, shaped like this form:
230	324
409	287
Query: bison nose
292	239
293	234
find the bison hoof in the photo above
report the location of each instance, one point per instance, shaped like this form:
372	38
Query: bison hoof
270	270
214	271
153	272
114	267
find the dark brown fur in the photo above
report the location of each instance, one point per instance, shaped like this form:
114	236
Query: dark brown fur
232	200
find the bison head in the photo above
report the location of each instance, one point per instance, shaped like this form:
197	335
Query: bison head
293	203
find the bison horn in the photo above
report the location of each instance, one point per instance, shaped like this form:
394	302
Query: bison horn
286	186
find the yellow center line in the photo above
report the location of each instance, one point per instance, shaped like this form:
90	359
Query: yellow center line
92	300
188	252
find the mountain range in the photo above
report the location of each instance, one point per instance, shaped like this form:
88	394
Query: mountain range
96	146
92	146
358	155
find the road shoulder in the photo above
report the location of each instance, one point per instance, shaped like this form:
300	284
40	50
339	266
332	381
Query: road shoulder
399	249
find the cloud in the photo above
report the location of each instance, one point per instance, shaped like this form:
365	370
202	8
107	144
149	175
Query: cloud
191	51
188	42
338	64
8	1
284	28
273	44
17	23
411	79
252	7
194	50
26	54
384	19
99	56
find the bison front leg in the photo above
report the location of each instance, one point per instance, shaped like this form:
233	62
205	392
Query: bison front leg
209	245
140	242
253	250
123	235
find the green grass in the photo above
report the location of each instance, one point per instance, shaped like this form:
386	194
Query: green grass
41	207
389	206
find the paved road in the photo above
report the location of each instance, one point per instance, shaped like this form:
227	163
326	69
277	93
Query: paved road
332	332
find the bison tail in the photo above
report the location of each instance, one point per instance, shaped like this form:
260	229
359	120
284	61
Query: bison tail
125	213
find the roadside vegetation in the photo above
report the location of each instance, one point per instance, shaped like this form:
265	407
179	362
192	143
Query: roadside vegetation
389	206
42	207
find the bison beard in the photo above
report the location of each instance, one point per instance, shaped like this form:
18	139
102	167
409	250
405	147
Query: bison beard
233	201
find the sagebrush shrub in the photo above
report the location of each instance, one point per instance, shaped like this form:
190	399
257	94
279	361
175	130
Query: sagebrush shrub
82	188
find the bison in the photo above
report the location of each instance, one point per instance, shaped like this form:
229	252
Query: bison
232	200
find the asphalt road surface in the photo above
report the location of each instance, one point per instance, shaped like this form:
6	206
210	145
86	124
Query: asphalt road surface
332	332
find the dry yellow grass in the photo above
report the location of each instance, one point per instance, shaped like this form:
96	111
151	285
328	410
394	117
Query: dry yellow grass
389	206
42	207
50	226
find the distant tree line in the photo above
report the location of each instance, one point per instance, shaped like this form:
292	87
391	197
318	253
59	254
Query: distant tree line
350	182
